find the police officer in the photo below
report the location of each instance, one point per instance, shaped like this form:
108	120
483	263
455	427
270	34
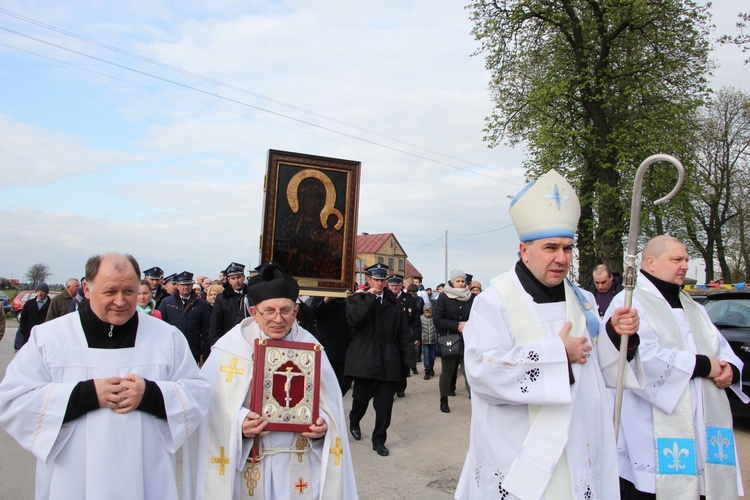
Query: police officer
226	311
186	310
381	343
155	277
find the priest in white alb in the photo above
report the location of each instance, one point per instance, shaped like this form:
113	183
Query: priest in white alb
103	398
538	359
676	437
314	464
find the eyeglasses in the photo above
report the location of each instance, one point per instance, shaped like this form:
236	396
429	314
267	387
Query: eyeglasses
270	314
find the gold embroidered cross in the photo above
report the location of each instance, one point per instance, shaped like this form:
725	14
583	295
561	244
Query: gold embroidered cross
232	370
337	451
301	445
301	485
221	460
252	475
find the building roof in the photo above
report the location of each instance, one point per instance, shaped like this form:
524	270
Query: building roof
412	271
371	243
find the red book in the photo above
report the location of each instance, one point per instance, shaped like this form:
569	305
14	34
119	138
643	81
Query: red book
286	384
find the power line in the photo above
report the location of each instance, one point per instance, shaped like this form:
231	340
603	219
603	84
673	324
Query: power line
483	232
461	234
177	96
238	89
219	83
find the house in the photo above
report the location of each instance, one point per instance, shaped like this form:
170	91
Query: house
385	249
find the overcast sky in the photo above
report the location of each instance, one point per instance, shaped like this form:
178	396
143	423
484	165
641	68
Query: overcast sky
144	127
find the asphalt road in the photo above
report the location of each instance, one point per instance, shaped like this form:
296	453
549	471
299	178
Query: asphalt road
427	447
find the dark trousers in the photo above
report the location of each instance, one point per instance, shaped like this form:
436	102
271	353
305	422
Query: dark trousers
429	351
629	492
449	366
401	384
345	382
381	394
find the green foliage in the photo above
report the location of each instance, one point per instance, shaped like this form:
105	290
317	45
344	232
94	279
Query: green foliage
593	88
743	39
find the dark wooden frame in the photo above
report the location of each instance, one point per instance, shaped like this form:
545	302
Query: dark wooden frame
261	396
320	257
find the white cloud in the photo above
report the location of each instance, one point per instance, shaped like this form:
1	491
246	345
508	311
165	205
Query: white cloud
33	155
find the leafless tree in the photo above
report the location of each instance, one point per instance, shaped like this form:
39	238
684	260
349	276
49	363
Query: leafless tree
38	273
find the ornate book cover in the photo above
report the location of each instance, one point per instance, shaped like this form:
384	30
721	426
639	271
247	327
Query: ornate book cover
286	384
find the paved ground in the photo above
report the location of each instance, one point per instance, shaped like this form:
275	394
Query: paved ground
427	447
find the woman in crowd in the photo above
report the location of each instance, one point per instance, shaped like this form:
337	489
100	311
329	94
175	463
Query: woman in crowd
145	300
450	313
211	293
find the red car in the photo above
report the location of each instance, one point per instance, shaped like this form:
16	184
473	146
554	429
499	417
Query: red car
20	299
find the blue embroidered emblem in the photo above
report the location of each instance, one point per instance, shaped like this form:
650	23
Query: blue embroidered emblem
676	456
720	446
557	196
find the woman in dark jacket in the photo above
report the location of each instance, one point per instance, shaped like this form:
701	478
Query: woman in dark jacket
450	313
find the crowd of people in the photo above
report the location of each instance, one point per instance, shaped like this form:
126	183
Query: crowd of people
170	362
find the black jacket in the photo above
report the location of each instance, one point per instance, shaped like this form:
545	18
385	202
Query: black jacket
381	339
192	319
447	313
413	314
160	295
330	327
225	314
31	316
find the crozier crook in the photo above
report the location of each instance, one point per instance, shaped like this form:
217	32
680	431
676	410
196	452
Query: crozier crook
629	274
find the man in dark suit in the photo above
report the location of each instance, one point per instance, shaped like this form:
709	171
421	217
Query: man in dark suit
381	343
34	313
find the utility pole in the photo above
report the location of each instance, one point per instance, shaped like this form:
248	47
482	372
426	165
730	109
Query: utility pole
445	277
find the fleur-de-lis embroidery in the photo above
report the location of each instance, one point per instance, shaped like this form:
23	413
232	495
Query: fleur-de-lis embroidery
676	453
720	442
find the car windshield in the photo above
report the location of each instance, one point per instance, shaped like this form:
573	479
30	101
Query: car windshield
729	312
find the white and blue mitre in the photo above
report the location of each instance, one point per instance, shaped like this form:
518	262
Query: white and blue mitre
546	208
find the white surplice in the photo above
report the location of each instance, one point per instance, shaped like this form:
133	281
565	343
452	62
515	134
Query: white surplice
101	454
508	379
328	461
667	373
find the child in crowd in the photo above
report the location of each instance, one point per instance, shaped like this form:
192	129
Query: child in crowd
429	342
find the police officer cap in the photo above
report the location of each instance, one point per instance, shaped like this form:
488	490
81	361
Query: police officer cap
378	271
234	268
396	279
272	283
172	278
154	273
184	278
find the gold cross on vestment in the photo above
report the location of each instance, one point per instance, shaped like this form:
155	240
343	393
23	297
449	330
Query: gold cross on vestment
232	370
337	451
301	485
221	460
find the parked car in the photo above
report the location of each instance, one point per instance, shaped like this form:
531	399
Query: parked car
22	297
5	301
730	312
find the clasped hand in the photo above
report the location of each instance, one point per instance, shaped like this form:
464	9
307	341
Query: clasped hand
721	373
121	394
